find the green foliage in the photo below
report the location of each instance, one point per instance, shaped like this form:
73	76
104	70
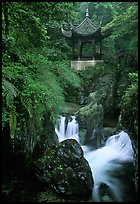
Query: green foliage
49	196
8	188
67	76
13	121
9	92
130	93
35	75
27	103
5	116
124	28
129	103
91	73
133	77
99	12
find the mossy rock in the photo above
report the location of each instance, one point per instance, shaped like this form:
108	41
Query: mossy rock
65	170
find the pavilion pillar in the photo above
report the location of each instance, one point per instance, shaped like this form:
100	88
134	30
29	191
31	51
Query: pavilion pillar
73	49
79	49
101	48
93	48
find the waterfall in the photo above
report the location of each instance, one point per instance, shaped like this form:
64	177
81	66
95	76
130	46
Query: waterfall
67	131
109	164
60	128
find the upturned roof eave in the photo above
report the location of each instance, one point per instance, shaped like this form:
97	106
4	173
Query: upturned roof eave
83	22
67	34
95	32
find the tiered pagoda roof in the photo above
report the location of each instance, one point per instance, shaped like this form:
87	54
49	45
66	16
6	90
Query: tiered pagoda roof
85	29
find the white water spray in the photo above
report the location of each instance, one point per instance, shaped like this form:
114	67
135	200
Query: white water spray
69	131
60	128
107	163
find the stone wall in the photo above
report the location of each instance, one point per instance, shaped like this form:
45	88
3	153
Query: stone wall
79	65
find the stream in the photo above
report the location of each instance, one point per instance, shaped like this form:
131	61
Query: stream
112	165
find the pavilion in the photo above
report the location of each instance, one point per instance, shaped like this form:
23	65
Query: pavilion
86	41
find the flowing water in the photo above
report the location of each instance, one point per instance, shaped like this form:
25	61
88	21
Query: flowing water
69	130
111	165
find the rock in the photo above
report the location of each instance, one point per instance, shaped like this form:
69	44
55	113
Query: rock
106	199
103	92
66	170
90	118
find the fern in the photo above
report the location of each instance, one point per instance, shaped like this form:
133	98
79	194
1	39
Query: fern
10	92
27	103
13	121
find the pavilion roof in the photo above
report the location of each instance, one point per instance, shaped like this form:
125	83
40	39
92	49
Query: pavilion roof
85	29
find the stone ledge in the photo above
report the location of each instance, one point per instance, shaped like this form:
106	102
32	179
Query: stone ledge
79	65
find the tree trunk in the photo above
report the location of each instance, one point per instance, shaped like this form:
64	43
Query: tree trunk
6	18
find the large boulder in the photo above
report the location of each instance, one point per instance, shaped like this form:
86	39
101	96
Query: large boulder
103	92
66	170
90	119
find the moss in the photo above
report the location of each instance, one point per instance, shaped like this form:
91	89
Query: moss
49	196
106	199
82	136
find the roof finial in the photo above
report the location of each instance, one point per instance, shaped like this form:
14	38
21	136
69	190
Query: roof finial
87	13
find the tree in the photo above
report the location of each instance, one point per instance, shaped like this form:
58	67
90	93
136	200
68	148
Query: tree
124	32
35	78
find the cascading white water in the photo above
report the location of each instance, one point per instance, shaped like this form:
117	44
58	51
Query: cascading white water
67	131
72	130
107	163
60	128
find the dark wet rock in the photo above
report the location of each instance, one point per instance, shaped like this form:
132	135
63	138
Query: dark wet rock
90	118
65	169
103	91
